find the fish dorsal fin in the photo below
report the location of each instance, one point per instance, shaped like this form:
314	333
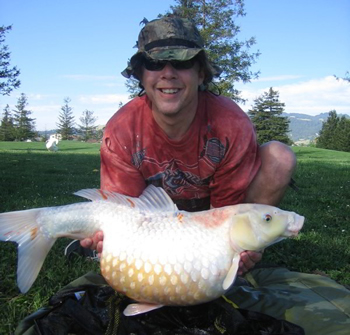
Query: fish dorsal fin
157	199
152	199
232	273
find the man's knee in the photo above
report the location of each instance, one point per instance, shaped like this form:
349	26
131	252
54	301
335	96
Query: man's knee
278	163
278	157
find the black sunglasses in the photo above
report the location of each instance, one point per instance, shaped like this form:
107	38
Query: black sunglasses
158	65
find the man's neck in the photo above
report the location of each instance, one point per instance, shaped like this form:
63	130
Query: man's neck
175	126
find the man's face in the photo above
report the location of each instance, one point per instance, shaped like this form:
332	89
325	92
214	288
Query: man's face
173	93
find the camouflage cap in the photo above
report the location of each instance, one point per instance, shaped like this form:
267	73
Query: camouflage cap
168	38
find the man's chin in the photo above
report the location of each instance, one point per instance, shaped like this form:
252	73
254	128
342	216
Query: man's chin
168	111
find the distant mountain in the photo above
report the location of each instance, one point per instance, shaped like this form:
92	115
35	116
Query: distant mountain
306	127
47	132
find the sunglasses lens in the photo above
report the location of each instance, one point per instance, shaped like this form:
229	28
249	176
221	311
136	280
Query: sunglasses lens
158	65
154	65
184	65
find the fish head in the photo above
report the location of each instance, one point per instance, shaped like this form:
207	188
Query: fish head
255	226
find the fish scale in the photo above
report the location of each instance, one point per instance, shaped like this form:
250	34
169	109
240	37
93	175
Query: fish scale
152	252
192	277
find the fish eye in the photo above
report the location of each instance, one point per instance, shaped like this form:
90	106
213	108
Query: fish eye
267	217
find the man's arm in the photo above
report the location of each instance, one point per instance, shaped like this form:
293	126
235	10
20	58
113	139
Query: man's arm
117	175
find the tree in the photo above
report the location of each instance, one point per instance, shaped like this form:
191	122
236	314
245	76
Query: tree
8	75
132	85
87	128
346	77
341	137
335	133
325	140
66	120
215	21
24	125
267	119
7	129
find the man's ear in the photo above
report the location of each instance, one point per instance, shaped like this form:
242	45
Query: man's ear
201	76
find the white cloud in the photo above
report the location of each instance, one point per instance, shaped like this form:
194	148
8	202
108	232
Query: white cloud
308	97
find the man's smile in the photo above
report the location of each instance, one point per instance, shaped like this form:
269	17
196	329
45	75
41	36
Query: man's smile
169	90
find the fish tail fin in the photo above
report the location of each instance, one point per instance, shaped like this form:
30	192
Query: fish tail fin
22	227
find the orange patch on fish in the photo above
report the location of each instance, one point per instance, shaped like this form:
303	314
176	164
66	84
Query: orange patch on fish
33	233
214	218
180	216
104	196
131	202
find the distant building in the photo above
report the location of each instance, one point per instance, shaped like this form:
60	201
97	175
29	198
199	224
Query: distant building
303	143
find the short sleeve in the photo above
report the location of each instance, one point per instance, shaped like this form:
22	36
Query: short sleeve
118	174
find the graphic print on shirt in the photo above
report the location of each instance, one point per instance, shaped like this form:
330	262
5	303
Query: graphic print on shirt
214	149
177	177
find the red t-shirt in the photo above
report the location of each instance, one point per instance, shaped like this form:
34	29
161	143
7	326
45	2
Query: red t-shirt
213	163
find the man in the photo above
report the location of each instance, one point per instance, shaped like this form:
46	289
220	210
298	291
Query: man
201	148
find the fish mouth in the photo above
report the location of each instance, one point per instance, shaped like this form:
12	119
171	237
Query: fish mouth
295	225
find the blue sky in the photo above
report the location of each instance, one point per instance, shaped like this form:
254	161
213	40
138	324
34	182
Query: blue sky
78	48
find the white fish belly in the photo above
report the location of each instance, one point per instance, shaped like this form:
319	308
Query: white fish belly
162	260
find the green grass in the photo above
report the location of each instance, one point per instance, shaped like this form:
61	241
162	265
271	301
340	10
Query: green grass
323	177
30	176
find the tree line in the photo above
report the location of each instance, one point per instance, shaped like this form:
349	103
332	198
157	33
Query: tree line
18	125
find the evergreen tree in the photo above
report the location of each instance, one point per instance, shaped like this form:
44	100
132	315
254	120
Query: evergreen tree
267	119
24	125
66	120
7	129
335	133
326	138
87	129
341	138
8	75
215	21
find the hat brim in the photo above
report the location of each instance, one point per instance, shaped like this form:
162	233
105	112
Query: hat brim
169	53
179	54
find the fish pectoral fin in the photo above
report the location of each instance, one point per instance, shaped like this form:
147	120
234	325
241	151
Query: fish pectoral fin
140	308
232	273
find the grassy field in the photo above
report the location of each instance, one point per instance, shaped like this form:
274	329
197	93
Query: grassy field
30	176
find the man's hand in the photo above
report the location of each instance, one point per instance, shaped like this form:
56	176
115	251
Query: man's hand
94	243
248	261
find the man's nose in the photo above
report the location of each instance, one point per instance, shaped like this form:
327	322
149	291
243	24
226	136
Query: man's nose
169	71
